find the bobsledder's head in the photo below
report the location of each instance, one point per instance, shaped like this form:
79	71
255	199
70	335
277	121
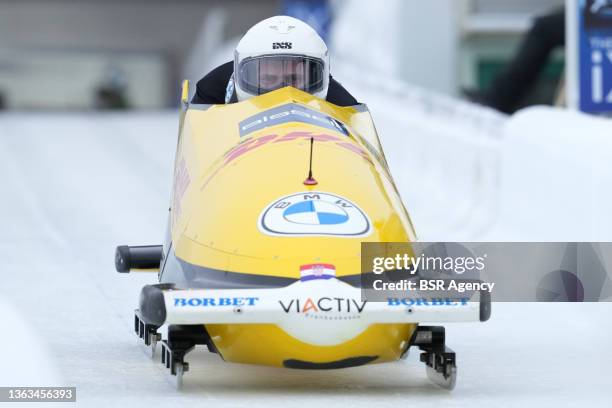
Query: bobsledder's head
277	52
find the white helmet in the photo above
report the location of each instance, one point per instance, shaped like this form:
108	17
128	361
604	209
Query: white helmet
277	52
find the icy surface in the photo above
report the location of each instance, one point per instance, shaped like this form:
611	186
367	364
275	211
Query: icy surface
77	185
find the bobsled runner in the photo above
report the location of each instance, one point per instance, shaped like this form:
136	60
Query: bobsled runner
261	264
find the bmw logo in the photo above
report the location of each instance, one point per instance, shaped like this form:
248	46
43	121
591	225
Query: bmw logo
314	213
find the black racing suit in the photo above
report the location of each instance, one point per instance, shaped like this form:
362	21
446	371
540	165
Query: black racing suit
212	88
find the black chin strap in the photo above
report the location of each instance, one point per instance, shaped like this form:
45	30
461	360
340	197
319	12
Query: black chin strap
234	97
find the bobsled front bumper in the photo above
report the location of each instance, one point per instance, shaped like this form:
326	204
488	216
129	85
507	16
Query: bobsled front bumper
323	301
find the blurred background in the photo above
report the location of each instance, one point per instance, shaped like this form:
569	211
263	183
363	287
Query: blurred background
93	54
447	81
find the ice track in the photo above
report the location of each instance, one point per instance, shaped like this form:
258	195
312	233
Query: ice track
76	185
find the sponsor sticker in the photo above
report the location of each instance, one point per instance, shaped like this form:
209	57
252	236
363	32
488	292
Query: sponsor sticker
324	305
314	214
215	301
317	271
288	113
427	302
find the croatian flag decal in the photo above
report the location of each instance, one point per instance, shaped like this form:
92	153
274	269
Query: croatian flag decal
317	271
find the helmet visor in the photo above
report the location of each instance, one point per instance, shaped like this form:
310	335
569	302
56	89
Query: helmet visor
258	75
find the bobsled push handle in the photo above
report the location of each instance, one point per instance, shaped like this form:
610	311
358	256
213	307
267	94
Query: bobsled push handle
485	305
138	257
185	92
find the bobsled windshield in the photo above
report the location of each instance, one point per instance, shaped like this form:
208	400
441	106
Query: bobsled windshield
259	75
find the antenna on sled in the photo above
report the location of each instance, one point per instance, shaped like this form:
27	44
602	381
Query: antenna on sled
310	181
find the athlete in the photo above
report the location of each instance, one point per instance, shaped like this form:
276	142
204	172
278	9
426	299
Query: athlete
277	52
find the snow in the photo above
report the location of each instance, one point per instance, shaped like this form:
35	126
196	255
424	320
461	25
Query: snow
555	177
76	185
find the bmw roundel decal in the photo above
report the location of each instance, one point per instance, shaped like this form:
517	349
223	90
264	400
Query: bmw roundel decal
314	213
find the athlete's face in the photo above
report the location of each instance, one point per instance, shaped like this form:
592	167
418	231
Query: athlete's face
274	74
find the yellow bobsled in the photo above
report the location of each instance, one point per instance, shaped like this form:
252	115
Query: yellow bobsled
272	199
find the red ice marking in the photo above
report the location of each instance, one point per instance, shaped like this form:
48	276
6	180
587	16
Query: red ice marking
247	147
292	136
324	138
355	149
181	182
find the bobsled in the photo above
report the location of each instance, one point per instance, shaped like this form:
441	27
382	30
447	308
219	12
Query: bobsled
272	198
